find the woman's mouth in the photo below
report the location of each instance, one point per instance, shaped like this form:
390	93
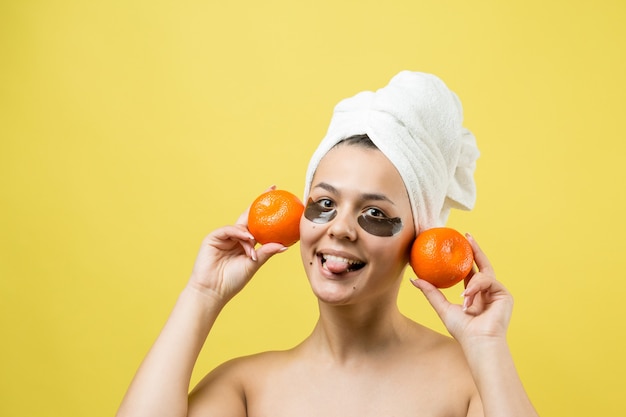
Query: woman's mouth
339	264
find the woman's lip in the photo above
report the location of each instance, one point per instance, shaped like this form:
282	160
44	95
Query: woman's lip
334	275
340	254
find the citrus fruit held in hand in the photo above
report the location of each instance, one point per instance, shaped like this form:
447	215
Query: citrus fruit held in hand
441	256
274	217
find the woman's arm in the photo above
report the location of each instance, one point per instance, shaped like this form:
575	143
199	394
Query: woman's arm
497	380
227	260
480	326
161	384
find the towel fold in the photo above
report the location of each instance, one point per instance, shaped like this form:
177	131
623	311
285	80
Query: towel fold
416	122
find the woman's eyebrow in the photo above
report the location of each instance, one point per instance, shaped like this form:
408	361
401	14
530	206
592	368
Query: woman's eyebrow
364	197
327	187
376	197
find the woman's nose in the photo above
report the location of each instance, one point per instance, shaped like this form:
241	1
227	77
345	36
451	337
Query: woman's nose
343	226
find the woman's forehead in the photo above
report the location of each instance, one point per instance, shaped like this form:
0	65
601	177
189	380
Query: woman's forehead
357	167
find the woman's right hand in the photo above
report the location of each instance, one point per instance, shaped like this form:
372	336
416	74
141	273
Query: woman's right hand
227	260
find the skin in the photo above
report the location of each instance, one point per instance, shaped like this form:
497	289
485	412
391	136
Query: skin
363	358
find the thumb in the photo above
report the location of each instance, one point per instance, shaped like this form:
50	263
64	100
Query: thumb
265	252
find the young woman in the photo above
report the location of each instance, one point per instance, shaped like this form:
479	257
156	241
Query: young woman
363	358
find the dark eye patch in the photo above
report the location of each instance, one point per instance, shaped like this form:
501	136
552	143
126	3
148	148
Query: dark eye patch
380	226
317	213
377	226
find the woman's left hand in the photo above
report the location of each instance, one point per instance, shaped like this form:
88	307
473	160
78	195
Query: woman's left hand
487	305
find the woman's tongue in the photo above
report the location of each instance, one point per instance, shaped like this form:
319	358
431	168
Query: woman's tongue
336	266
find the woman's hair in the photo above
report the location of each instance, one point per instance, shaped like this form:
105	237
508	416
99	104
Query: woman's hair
358	140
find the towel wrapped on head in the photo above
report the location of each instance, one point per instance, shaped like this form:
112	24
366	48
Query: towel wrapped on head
417	123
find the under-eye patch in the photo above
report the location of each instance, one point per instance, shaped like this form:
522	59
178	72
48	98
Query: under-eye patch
317	213
380	226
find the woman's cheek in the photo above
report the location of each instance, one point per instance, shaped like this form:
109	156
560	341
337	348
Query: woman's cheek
308	236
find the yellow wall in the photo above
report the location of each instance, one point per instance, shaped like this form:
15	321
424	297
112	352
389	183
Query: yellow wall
129	129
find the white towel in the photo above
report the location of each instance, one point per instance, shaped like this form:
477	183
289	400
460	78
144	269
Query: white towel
416	122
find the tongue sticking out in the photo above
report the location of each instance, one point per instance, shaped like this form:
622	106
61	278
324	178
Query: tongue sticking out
336	266
340	265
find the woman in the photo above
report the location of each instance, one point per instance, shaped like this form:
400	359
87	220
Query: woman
392	164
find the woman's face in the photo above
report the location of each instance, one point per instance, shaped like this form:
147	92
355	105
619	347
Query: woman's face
357	230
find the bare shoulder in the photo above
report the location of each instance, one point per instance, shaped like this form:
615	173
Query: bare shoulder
440	353
429	342
425	373
436	367
224	390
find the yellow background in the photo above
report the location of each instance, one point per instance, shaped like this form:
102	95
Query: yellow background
129	129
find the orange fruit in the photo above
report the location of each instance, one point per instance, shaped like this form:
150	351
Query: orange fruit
275	217
441	256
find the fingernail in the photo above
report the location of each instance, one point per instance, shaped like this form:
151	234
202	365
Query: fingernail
469	237
284	248
253	255
465	302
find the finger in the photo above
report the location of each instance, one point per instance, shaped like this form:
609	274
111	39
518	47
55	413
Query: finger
468	300
235	232
434	296
482	262
246	240
486	288
478	284
265	252
469	276
248	248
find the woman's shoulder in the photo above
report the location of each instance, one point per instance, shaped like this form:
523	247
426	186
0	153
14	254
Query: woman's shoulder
438	358
428	342
235	376
254	367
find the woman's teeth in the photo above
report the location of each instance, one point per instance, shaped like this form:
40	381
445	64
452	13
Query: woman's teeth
338	264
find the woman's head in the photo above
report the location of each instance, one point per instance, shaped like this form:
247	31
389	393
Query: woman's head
416	122
357	228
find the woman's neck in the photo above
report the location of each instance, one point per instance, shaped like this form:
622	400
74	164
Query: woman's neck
345	333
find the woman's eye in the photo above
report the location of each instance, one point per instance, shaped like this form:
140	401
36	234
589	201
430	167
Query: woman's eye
320	211
326	204
374	212
377	223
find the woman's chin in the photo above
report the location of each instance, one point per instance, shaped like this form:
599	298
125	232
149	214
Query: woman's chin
334	293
